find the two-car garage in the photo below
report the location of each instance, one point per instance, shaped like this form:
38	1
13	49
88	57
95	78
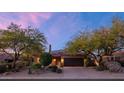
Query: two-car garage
73	61
70	60
67	59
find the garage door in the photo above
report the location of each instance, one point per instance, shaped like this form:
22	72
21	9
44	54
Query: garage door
73	62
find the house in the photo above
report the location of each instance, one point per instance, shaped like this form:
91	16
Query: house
5	57
65	59
36	58
62	58
119	56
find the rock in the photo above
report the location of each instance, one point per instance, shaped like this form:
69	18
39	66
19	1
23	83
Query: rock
59	70
6	73
113	66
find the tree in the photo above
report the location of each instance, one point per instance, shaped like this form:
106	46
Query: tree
21	40
81	43
104	41
46	59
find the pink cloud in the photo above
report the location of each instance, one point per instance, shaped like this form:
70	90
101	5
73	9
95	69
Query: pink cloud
24	19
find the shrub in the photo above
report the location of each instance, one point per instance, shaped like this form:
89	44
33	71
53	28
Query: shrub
59	70
36	66
45	59
99	68
122	64
20	65
9	67
54	68
3	68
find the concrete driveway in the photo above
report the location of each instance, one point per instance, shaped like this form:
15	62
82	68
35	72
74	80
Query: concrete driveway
69	73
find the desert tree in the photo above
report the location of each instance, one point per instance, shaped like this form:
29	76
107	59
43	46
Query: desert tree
21	40
104	41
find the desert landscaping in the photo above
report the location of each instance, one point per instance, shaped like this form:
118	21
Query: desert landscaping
25	53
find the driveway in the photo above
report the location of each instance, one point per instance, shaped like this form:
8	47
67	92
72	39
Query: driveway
69	73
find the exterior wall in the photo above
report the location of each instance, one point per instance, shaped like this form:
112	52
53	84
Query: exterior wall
60	61
56	61
71	61
4	57
37	60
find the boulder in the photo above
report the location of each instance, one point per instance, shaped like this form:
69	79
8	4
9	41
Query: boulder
113	66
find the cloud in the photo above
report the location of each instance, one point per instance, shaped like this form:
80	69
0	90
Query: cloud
24	19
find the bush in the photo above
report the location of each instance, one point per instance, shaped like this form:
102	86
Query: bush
24	63
3	68
9	67
122	63
54	68
36	66
20	65
99	68
59	70
45	59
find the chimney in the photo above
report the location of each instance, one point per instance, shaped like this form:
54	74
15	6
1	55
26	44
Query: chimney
50	48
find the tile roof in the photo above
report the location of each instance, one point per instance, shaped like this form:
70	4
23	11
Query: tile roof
4	56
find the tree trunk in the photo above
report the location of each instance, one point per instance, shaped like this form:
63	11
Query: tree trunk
96	60
98	52
14	64
16	57
105	51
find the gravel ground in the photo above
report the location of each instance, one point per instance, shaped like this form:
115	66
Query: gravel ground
69	73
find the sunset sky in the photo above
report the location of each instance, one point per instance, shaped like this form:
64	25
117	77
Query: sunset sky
59	27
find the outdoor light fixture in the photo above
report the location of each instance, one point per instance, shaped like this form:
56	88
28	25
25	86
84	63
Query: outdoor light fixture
62	60
54	60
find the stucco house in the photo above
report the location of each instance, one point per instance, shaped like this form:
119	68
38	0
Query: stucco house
5	57
65	59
